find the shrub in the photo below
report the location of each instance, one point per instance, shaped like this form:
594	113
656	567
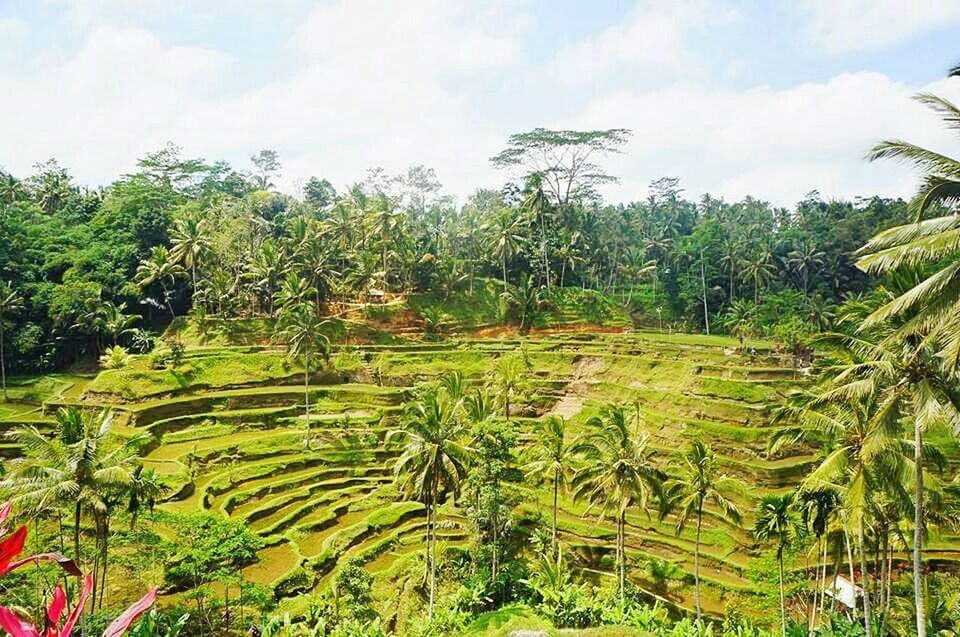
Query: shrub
115	357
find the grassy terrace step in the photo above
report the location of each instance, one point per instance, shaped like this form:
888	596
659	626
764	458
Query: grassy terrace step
306	507
151	411
238	495
339	541
338	477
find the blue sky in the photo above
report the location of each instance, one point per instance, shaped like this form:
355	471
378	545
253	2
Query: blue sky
735	98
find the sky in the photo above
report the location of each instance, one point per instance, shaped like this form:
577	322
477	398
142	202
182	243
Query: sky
761	98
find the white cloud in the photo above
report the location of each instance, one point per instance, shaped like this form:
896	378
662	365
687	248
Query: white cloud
849	25
106	105
368	88
11	28
775	144
416	37
428	82
653	40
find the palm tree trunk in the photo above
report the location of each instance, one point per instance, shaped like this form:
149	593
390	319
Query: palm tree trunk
918	531
621	562
863	579
703	282
493	562
3	364
696	562
846	541
887	585
823	579
306	394
556	490
432	544
504	264
106	555
543	248
783	605
76	531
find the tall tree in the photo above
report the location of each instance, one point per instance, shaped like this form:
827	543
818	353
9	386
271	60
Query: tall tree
565	160
302	332
700	482
925	243
191	243
551	458
506	235
10	302
775	521
434	456
162	269
266	166
618	473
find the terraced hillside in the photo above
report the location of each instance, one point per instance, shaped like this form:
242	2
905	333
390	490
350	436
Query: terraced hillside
229	436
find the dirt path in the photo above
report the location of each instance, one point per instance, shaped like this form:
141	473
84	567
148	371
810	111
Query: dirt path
585	369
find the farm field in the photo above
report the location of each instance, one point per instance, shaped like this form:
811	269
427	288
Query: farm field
228	436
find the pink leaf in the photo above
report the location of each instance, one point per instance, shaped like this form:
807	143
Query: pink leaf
122	623
16	626
75	613
11	547
57	605
65	562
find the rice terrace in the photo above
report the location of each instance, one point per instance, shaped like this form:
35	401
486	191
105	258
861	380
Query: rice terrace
228	434
685	363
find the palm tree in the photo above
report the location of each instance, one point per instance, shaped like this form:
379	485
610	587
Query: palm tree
294	290
925	243
637	266
535	204
805	260
551	458
864	437
268	267
505	234
775	521
10	302
732	259
191	243
80	468
144	490
569	256
384	226
760	270
161	268
116	321
508	377
618	473
302	332
740	318
317	263
525	299
910	381
11	189
820	505
433	456
700	482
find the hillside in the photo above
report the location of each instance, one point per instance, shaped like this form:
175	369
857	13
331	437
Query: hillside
228	430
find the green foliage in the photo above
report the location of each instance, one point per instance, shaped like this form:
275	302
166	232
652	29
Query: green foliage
210	547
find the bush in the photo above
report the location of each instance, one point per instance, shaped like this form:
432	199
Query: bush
115	357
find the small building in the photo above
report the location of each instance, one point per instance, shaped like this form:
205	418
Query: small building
844	591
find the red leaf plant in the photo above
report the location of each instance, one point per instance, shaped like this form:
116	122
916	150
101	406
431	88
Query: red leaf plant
10	547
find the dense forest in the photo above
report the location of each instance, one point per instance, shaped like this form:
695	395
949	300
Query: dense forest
642	476
85	269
